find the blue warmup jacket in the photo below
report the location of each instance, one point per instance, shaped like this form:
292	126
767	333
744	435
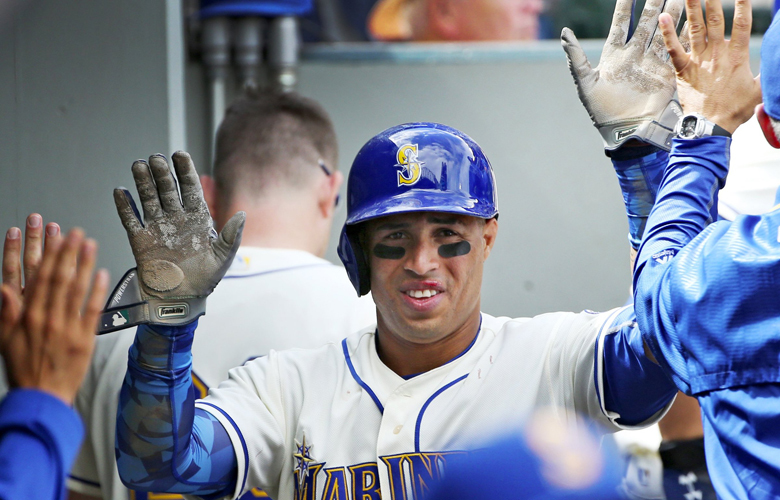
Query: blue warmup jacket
706	301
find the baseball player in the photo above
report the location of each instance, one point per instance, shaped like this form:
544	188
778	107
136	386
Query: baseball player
379	413
275	159
46	338
707	304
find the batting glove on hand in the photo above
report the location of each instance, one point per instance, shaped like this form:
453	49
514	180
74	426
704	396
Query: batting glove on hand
179	257
630	94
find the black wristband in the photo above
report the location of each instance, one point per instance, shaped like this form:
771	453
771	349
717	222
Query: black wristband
683	455
718	130
631	153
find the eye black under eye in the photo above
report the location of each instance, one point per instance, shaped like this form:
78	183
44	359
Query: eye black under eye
389	252
454	249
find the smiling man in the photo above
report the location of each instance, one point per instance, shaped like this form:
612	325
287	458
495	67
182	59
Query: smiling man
430	292
378	414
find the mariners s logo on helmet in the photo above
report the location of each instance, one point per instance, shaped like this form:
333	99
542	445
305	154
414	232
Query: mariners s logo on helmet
410	167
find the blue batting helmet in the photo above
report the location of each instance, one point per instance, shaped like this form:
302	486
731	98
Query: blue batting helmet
415	167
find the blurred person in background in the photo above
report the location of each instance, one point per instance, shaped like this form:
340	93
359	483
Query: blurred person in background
455	20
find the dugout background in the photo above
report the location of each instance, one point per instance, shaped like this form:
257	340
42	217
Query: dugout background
87	87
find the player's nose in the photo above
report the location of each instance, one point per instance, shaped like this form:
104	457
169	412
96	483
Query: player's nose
422	258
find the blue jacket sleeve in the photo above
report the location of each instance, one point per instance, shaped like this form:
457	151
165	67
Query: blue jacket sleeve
162	443
683	209
39	439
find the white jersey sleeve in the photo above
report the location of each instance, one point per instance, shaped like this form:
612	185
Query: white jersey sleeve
249	405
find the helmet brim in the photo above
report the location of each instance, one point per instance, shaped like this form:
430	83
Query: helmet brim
422	200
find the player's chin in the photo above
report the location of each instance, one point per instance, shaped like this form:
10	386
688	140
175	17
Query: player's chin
425	330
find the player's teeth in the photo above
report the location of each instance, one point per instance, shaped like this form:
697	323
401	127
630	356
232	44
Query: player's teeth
421	294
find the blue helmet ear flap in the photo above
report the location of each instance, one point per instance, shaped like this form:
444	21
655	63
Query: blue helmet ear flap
354	259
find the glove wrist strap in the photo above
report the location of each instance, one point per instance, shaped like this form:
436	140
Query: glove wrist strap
126	308
658	132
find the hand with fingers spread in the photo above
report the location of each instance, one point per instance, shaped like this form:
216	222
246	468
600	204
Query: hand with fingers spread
179	256
47	332
19	269
714	77
630	94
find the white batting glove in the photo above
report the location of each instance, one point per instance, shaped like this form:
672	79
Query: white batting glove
630	94
179	257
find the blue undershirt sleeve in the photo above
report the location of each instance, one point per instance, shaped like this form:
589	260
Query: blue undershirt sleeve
39	439
639	171
635	387
162	442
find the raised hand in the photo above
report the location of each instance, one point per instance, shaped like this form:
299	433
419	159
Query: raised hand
19	268
179	256
630	94
47	326
714	77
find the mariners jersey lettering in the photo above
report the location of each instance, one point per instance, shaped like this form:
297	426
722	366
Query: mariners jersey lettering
337	423
411	475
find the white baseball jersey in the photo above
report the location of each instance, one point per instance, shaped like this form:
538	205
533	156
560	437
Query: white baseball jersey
335	422
269	298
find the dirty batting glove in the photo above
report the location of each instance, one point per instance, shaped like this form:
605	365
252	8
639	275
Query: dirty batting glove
630	94
179	256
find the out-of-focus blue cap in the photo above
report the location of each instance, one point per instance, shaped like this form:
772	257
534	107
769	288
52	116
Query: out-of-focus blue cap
539	463
770	69
263	8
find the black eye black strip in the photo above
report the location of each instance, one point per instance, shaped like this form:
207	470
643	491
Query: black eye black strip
454	249
388	252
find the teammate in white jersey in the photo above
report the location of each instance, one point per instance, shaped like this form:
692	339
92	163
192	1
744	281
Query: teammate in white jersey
276	158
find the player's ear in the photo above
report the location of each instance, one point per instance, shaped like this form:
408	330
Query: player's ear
489	234
328	195
766	126
210	194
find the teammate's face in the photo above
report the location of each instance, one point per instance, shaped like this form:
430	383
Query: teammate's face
426	273
498	19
